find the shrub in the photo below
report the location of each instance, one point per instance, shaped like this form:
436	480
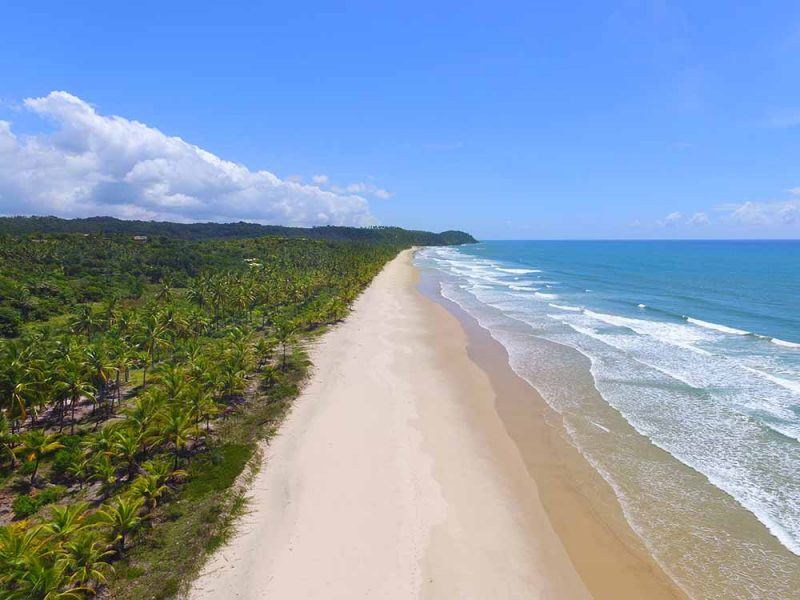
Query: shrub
10	321
26	468
63	459
25	506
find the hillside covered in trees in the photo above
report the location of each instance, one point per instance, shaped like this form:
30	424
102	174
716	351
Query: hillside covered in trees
45	271
203	231
137	375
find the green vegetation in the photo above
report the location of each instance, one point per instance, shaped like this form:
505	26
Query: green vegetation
204	231
136	380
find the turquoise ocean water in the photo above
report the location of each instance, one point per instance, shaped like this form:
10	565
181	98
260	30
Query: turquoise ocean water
696	345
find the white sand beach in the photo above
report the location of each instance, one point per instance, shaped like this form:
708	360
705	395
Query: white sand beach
393	476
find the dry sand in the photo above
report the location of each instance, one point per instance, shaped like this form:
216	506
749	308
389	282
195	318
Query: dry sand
395	477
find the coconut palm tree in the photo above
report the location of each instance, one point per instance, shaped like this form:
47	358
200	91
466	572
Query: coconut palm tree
80	468
17	544
152	337
36	444
45	580
177	429
284	332
75	383
106	473
126	447
84	321
18	387
150	489
87	561
99	368
122	518
65	521
171	378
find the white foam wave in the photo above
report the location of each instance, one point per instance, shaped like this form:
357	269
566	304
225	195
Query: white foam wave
670	333
518	271
545	296
789	384
566	307
784	343
642	305
717	327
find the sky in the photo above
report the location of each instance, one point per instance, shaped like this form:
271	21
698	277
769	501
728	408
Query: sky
520	120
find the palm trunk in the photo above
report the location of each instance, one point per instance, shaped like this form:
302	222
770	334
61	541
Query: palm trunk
72	416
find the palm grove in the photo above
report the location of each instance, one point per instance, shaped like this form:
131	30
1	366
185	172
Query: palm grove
128	374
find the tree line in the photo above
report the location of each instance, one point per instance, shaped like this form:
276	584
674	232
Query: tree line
124	360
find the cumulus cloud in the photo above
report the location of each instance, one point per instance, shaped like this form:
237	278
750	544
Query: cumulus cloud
93	164
320	179
786	212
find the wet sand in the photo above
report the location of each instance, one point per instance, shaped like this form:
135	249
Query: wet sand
611	559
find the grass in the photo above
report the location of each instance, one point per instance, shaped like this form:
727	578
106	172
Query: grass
202	516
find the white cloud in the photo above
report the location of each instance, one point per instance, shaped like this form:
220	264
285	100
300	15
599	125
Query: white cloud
699	218
671	219
786	212
94	164
368	189
360	188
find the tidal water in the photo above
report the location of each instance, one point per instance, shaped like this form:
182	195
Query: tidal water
676	369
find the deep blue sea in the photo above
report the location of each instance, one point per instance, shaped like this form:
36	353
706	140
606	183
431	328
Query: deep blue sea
696	344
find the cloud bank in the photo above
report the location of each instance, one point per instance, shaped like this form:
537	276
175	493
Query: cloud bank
92	164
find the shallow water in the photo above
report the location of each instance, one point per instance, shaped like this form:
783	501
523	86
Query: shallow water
696	345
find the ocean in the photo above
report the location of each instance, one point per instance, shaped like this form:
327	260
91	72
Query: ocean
696	346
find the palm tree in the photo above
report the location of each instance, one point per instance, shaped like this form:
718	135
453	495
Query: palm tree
74	382
84	321
80	468
106	473
284	332
122	359
17	544
177	430
46	580
86	559
99	368
150	489
122	518
152	338
18	387
36	444
263	351
171	378
164	294
67	520
205	407
126	446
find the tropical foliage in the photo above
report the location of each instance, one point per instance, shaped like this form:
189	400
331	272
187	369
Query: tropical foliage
123	359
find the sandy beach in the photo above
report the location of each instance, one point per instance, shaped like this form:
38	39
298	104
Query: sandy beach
402	472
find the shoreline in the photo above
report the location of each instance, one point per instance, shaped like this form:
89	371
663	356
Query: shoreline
397	475
610	557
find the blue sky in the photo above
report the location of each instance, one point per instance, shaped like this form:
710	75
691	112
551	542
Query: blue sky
510	120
